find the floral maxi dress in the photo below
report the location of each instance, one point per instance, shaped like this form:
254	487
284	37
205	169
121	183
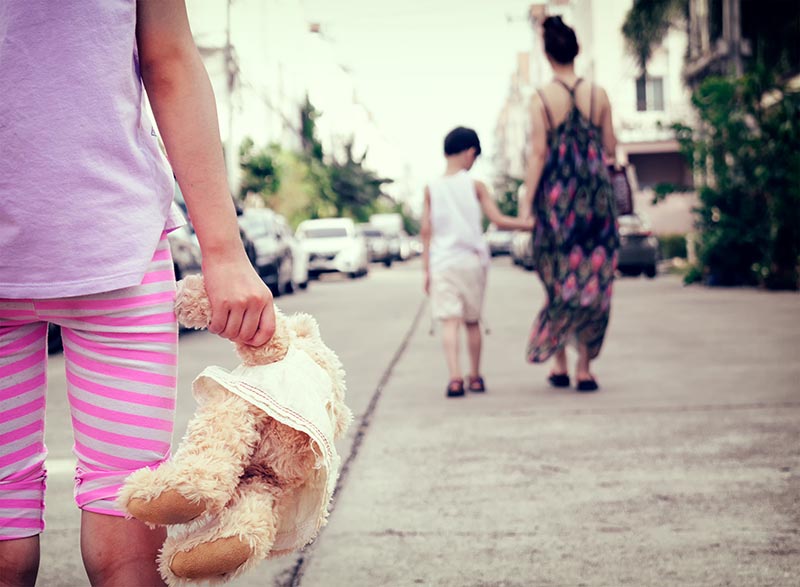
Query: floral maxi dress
575	238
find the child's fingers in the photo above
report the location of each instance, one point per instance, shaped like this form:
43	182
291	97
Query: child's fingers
266	327
234	324
250	322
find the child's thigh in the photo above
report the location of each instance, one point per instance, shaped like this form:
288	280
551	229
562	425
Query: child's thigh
23	365
121	361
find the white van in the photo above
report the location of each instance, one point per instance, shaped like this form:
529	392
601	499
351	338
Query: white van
333	245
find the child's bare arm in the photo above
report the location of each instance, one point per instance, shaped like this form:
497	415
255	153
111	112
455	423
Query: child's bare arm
183	103
426	230
493	212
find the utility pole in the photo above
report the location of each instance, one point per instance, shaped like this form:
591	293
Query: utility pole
232	73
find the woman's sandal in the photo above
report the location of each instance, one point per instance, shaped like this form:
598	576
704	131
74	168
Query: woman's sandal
476	384
559	379
455	388
587	385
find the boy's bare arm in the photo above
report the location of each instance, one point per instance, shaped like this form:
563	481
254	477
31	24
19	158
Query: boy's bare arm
183	104
493	212
426	230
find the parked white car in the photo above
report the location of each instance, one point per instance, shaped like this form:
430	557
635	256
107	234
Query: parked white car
333	245
299	254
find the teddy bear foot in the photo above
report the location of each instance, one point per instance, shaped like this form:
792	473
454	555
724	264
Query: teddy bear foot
211	559
170	507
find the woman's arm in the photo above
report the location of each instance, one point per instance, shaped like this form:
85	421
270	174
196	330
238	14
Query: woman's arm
183	104
426	232
494	214
607	126
536	159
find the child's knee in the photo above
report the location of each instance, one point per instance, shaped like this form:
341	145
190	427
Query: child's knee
22	498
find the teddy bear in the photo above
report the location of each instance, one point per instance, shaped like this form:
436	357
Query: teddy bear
255	472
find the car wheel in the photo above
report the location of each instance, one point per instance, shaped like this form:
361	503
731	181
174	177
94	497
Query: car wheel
352	275
288	288
303	285
387	262
650	271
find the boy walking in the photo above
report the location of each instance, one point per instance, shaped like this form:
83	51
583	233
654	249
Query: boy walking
455	256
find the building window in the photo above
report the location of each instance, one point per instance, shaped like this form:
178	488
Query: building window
649	93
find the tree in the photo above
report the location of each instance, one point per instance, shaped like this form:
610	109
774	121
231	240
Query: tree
260	175
508	194
357	189
647	23
312	147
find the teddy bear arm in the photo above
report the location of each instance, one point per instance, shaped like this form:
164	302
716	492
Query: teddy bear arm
203	473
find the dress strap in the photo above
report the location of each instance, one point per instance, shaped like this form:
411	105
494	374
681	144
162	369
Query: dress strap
591	103
571	90
546	110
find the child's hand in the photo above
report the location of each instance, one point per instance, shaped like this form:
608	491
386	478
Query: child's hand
241	304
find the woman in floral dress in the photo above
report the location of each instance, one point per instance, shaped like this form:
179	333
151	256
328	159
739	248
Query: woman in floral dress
568	192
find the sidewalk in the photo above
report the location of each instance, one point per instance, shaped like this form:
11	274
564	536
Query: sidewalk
683	470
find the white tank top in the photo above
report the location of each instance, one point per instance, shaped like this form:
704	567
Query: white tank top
455	221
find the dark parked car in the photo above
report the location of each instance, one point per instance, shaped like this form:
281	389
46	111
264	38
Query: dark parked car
268	250
377	244
522	249
638	251
499	241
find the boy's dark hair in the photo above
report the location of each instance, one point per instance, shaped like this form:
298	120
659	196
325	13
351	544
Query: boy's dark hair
560	41
460	139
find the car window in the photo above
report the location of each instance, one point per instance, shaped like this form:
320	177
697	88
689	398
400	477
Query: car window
256	225
323	232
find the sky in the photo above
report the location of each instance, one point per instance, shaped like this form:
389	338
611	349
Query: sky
423	67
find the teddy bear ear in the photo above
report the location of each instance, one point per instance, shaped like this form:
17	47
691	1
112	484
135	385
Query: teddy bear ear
191	302
305	326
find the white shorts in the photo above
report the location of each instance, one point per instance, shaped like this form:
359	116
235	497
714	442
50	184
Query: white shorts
457	291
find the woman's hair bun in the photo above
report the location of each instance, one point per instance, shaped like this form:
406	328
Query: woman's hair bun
560	41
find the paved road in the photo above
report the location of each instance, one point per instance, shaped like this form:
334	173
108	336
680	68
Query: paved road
683	470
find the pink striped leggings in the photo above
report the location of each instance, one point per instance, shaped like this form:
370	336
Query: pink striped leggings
120	350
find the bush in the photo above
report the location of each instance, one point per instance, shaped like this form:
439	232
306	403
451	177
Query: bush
671	246
747	150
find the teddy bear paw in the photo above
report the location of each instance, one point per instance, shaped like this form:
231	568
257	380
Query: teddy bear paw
170	507
211	559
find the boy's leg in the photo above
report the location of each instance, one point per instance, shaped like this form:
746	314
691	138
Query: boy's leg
473	292
23	376
450	332
474	343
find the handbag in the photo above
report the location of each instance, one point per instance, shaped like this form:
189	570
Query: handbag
621	186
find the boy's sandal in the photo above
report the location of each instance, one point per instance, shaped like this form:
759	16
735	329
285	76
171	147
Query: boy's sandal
559	379
476	384
455	388
587	385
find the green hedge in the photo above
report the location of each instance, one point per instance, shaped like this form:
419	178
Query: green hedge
672	245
